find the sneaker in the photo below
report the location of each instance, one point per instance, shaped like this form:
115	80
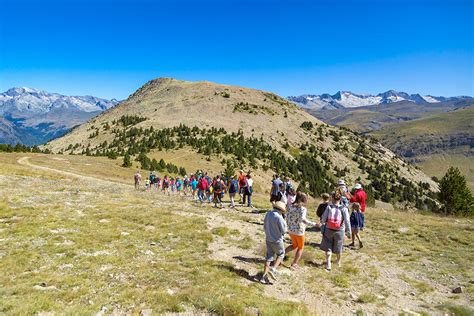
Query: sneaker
328	266
273	273
265	280
361	245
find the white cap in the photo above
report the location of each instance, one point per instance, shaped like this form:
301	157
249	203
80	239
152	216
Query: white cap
358	186
341	182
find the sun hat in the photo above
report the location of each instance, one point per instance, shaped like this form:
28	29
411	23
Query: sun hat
357	186
341	182
279	205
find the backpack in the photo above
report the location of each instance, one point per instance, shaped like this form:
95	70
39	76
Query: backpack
218	186
234	184
335	218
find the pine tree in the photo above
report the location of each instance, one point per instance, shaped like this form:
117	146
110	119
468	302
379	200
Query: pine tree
454	193
126	161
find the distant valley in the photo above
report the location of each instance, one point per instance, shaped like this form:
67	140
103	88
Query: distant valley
421	129
32	117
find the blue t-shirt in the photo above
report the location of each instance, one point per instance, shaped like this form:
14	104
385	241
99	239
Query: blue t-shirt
194	184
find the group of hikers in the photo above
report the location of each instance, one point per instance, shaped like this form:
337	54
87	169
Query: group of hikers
341	212
289	216
202	187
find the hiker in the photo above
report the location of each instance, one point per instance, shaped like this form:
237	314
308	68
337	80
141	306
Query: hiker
291	197
166	185
233	187
297	222
281	195
152	178
193	185
359	197
209	188
322	207
341	185
147	184
275	188
218	187
357	223
275	228
157	183
185	185
288	185
203	186
242	185
248	191
138	179
172	185
179	186
334	222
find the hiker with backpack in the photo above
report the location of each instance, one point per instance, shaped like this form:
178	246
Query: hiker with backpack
248	190
185	185
194	184
276	182
297	222
203	187
281	195
341	186
322	206
179	186
138	179
287	184
275	228
233	188
242	185
166	185
334	222
359	197
217	188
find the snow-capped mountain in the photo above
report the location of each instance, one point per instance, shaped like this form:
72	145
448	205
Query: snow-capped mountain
347	99
32	116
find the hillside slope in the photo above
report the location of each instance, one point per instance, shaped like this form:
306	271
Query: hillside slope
436	142
374	117
245	128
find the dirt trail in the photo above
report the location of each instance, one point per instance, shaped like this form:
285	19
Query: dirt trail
26	162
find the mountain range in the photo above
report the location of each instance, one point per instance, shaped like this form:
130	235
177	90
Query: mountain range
347	99
31	116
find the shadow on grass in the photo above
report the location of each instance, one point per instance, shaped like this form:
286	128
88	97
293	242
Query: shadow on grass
240	272
250	260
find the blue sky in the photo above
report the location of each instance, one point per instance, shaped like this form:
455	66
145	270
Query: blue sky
110	48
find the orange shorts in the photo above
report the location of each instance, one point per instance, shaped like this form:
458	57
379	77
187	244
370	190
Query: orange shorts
297	241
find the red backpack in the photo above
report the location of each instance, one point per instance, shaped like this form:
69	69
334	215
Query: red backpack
335	218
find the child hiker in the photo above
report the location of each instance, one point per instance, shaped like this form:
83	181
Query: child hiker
275	228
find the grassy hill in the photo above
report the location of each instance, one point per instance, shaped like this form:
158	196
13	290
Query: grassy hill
77	238
435	142
238	127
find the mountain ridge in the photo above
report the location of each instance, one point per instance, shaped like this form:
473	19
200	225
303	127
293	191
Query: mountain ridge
33	116
347	99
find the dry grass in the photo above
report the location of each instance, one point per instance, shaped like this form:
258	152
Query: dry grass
107	245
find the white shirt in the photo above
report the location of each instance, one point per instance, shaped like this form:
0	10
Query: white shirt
249	182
